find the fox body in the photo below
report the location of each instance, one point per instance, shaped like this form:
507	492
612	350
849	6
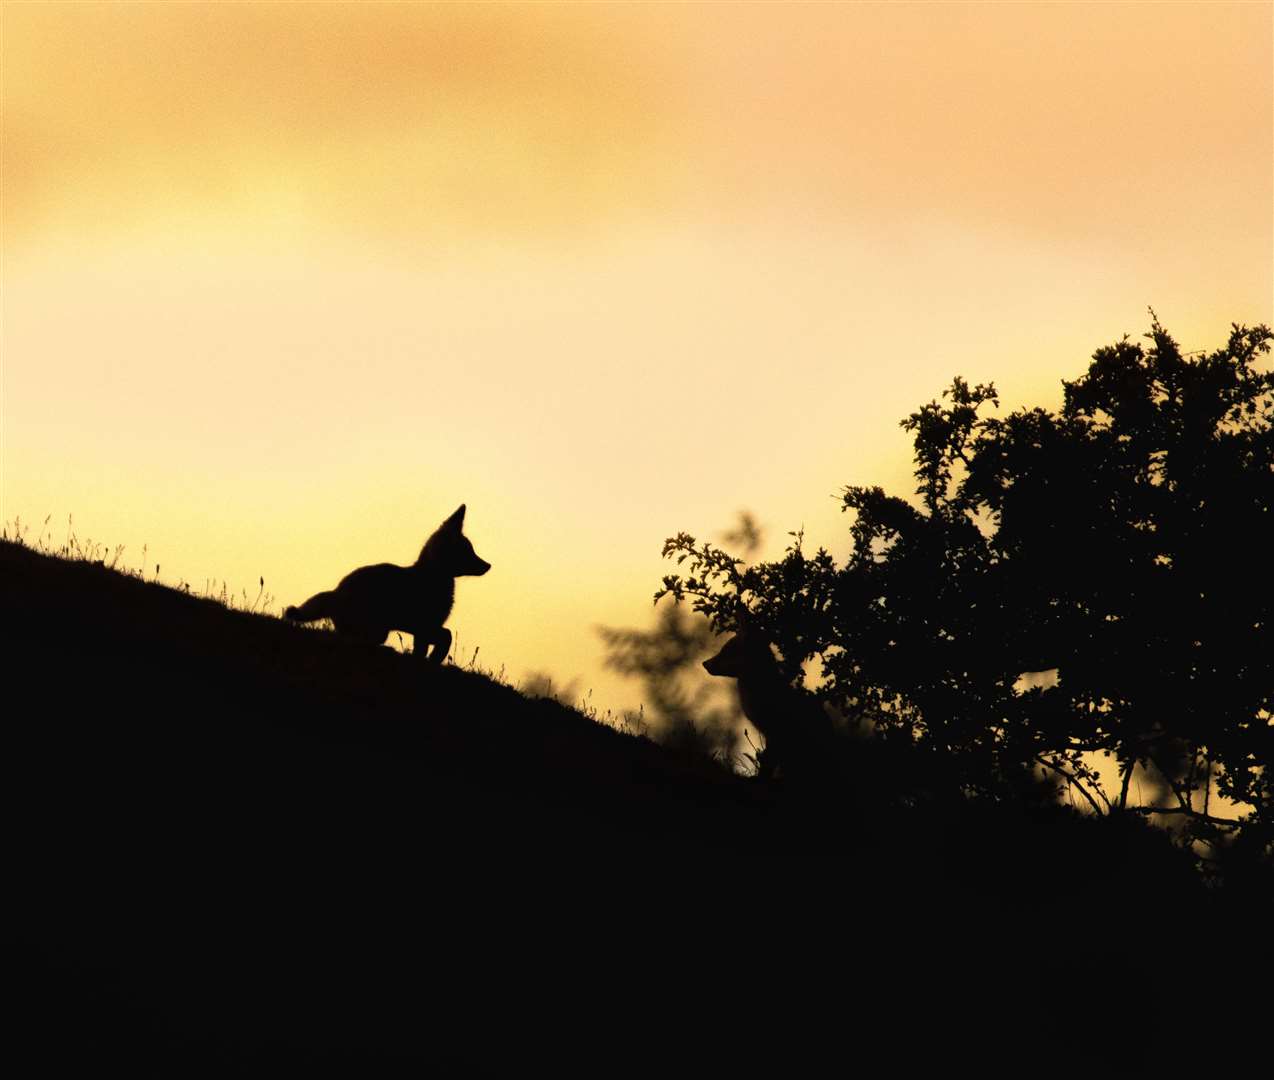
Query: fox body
796	729
373	600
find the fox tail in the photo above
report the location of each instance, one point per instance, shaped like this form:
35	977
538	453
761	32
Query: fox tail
318	606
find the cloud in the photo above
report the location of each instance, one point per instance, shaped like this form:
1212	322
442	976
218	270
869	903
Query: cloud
406	117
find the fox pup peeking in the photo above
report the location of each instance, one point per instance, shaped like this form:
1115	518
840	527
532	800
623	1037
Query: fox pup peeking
373	600
797	731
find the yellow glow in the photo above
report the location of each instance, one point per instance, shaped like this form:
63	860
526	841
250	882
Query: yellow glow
285	283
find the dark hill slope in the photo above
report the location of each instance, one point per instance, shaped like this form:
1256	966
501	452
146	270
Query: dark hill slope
241	839
250	839
147	687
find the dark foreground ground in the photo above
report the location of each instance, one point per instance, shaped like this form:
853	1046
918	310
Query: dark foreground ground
238	843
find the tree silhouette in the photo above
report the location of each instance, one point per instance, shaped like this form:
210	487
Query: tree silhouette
1123	542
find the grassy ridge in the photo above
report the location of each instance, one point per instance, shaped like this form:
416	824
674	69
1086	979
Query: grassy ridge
243	839
149	659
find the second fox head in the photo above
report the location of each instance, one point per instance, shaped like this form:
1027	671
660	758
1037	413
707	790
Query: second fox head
745	653
449	550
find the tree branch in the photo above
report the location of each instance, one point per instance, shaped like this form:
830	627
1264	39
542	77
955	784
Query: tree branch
1225	823
1074	782
1123	791
1183	800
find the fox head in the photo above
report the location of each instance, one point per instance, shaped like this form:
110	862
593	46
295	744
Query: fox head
450	550
746	652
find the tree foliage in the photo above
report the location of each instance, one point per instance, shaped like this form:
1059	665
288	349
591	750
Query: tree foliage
1124	541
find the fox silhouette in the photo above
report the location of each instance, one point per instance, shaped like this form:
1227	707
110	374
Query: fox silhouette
373	600
797	732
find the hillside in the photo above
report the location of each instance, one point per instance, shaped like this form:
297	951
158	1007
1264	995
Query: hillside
251	839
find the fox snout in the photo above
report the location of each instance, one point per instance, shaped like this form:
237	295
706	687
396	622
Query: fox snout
728	661
481	566
743	654
714	666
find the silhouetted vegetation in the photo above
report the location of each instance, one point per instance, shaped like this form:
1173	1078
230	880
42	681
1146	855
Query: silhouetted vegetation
1122	543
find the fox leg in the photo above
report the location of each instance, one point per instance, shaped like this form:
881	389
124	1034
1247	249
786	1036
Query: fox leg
440	638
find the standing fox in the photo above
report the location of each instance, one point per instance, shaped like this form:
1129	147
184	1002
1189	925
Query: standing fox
373	600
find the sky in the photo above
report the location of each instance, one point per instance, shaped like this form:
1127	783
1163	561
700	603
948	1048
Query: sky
282	285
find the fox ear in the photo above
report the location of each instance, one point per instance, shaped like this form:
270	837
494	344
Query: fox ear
456	521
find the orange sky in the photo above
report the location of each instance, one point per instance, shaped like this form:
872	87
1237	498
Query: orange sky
285	283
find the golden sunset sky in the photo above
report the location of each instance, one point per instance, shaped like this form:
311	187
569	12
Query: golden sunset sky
283	284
